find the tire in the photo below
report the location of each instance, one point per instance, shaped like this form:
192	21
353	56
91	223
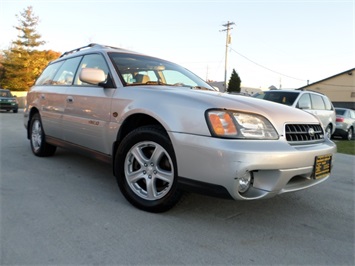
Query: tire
39	145
146	170
349	134
328	131
15	110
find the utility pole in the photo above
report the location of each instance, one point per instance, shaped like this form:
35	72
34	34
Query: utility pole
228	41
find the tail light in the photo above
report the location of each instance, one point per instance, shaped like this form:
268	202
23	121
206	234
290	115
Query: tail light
340	119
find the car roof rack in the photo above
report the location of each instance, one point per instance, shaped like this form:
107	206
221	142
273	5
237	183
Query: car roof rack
78	49
89	46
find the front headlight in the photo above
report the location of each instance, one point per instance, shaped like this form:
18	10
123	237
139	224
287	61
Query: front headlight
232	124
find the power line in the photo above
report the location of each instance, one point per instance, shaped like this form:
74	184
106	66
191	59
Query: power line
266	67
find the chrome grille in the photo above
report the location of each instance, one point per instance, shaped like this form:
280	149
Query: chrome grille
304	133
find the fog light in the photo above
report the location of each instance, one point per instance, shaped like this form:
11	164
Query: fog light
245	181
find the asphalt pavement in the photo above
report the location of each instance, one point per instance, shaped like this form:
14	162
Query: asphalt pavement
68	210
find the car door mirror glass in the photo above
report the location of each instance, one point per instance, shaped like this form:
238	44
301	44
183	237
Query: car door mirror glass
92	76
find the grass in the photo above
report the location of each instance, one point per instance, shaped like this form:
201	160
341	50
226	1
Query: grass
345	146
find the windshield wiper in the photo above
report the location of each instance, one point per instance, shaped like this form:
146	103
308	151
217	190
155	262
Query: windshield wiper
200	88
148	83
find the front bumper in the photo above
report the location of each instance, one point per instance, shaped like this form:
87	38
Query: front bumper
276	166
8	106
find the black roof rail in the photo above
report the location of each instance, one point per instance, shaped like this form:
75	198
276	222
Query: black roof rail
89	46
78	49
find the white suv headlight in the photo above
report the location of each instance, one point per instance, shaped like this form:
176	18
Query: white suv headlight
232	124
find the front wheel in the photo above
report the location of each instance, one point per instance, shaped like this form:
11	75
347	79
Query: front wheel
146	170
328	131
349	134
39	145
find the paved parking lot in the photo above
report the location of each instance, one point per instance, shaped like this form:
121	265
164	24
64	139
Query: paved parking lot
67	210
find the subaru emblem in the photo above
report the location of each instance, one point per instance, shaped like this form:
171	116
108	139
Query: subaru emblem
311	132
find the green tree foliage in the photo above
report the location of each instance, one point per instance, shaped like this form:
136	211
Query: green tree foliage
22	62
2	70
234	82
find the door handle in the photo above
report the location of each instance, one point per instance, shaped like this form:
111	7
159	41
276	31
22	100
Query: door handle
70	99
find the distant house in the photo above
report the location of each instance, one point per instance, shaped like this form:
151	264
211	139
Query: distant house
339	88
243	90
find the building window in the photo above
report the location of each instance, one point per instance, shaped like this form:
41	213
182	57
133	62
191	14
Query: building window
353	95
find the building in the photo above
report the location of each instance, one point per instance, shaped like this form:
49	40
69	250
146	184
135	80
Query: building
339	88
243	90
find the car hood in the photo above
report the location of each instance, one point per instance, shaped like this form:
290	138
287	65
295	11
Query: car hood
191	104
241	103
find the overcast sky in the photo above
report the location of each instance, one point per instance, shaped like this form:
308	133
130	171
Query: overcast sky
281	43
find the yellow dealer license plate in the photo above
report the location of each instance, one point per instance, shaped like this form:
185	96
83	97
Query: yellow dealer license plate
322	166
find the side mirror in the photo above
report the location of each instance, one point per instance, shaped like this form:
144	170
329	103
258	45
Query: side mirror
92	76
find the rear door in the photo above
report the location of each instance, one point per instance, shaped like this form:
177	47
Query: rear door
48	95
323	110
318	108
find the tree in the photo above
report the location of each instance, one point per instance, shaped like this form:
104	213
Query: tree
2	70
22	63
234	83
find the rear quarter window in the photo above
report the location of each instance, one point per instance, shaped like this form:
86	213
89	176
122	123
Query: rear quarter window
46	78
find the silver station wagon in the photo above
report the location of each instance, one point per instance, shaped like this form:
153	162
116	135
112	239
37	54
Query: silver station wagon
165	131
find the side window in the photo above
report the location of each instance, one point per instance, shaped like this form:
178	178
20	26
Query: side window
91	61
65	74
352	114
46	78
304	102
328	104
317	102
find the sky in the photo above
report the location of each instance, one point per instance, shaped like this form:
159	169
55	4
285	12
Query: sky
284	43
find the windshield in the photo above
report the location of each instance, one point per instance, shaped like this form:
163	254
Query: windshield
287	98
5	94
138	70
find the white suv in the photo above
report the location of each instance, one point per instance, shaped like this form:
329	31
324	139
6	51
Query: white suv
313	102
164	130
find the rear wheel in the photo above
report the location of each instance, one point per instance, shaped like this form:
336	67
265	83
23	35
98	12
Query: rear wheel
39	145
146	170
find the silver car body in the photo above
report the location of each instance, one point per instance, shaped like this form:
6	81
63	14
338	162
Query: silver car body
345	123
92	118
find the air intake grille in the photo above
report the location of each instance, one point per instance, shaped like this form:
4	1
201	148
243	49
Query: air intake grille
304	133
